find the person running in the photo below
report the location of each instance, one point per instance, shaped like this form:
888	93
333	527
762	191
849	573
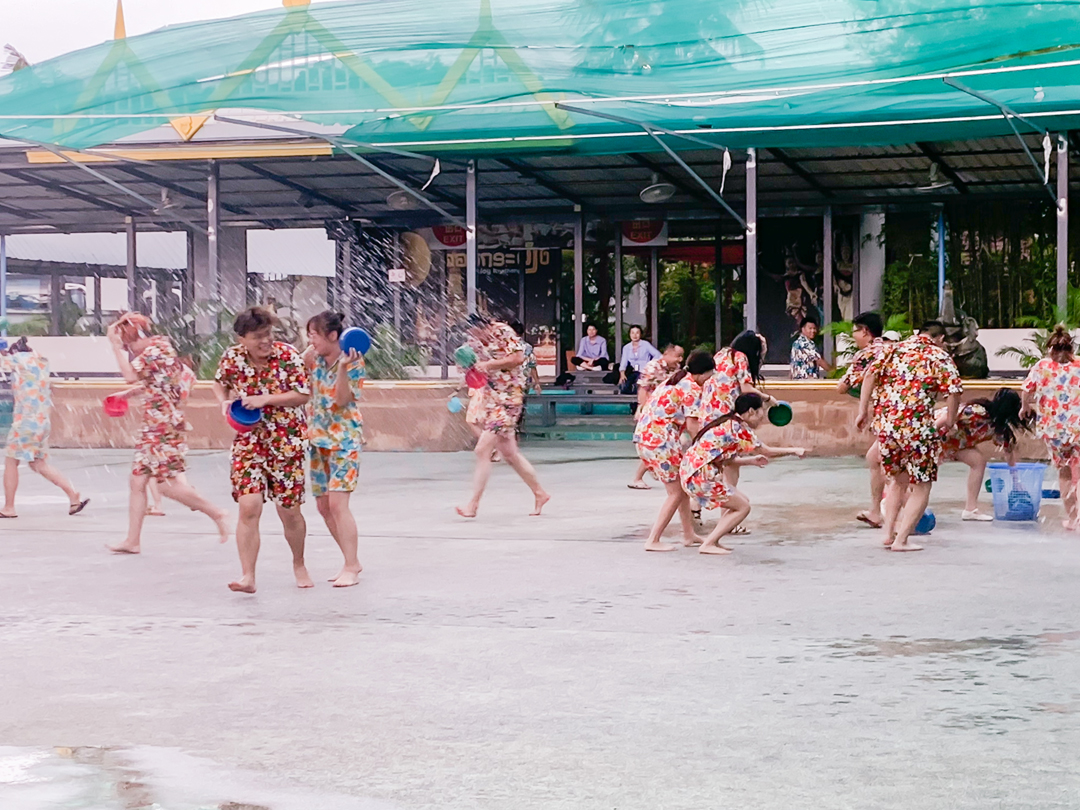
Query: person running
500	356
672	409
978	423
1051	392
806	361
866	331
652	376
267	461
151	361
725	442
335	434
911	375
28	437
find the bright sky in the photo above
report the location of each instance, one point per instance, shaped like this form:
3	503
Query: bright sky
42	29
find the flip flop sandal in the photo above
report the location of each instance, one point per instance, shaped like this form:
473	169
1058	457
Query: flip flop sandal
740	529
9	517
75	508
642	485
862	517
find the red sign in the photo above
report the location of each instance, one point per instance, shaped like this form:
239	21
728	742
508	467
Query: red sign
645	233
450	236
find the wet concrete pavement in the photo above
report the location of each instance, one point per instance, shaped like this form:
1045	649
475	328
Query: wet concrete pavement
516	662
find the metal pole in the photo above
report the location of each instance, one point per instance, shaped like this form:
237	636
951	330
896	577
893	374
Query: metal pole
99	320
618	292
718	286
444	317
398	261
470	238
579	278
751	239
827	281
345	282
1063	223
54	307
213	223
132	270
654	297
940	257
3	285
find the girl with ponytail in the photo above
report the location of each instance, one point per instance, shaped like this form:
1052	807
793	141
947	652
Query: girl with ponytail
738	371
672	409
727	442
979	422
1052	393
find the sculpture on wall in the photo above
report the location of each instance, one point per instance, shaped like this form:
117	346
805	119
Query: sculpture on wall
961	339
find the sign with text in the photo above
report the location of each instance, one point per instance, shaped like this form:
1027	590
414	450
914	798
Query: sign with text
645	233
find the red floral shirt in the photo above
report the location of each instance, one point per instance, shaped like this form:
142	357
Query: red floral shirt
162	376
720	391
284	371
1057	386
910	377
719	444
663	416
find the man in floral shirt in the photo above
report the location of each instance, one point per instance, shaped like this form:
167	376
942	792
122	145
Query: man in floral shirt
805	360
866	332
269	460
910	376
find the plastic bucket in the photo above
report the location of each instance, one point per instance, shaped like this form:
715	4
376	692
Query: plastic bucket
475	378
241	419
780	414
465	357
115	406
1017	490
355	338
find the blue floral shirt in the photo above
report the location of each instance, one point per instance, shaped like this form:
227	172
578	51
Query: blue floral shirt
804	357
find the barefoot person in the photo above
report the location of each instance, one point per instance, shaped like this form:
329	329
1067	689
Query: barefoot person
654	373
268	461
28	438
866	331
1052	394
910	375
501	357
978	423
672	409
725	442
161	448
335	433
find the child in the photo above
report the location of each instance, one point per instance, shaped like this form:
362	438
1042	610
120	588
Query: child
978	422
672	409
1052	391
725	442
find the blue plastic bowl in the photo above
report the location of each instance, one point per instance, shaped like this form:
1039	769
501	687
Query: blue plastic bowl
355	338
455	405
926	523
244	416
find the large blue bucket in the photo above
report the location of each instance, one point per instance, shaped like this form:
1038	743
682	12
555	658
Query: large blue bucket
1017	490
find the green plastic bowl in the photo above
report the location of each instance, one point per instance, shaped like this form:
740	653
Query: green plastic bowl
465	357
780	414
855	391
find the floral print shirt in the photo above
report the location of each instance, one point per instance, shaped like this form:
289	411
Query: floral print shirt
331	425
910	377
503	341
720	391
162	376
663	416
283	372
1057	402
654	373
30	387
721	443
856	370
804	357
973	427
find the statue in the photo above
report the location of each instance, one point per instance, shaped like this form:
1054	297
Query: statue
961	339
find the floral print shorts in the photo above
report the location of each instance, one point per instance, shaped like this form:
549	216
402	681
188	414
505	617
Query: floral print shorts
334	469
274	470
707	488
1062	454
160	455
663	461
28	440
919	459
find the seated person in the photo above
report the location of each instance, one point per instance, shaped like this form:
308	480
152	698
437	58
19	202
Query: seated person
635	355
592	351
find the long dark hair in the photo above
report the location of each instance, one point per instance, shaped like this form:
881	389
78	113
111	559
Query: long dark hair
743	403
1004	413
698	362
749	343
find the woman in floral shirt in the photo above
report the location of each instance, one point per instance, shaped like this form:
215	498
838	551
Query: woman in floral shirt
28	438
1052	394
651	377
501	357
738	371
726	442
269	461
150	360
672	409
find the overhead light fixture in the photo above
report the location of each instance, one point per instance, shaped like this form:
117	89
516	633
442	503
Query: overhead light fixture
657	192
400	200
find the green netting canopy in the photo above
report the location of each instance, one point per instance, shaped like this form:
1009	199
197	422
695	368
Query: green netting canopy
485	75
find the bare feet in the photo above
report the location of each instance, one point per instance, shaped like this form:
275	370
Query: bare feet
303	580
466	512
243	585
660	547
224	530
127	547
905	547
717	549
345	570
690	542
541	499
348	577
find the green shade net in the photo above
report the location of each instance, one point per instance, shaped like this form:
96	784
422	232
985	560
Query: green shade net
483	75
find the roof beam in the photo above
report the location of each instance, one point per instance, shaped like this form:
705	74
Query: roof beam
266	174
935	157
540	180
60	188
796	168
179	189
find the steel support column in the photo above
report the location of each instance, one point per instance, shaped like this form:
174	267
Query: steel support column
54	303
213	227
827	282
132	267
1062	222
99	319
470	237
751	240
618	291
718	286
579	278
654	297
940	257
3	285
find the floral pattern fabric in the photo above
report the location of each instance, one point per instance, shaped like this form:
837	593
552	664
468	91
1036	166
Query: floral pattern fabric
804	357
655	372
702	478
504	397
160	448
270	459
658	434
28	438
972	428
720	391
910	376
331	425
1057	400
334	469
861	361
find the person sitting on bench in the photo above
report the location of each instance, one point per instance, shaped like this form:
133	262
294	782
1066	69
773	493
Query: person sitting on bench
635	355
592	352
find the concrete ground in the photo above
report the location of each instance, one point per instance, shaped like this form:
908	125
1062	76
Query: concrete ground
515	662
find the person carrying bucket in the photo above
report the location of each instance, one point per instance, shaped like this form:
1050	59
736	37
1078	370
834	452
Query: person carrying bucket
28	437
1051	392
903	385
268	459
335	434
151	361
725	442
501	359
